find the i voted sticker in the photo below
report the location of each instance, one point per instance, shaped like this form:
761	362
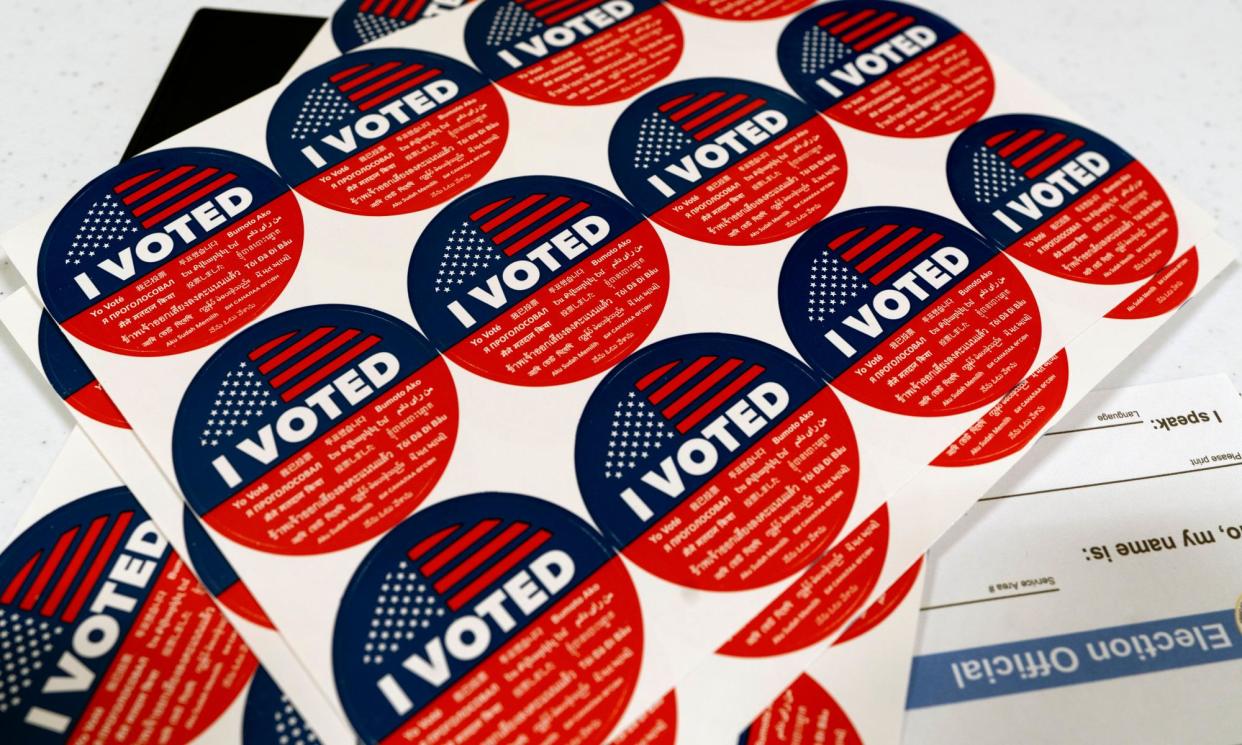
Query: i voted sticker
95	606
460	624
1062	199
71	378
358	22
217	575
742	10
170	251
886	68
270	717
386	131
716	462
574	52
908	312
727	161
314	430
538	280
803	713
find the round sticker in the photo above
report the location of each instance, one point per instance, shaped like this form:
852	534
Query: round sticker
386	131
716	462
1015	420
1162	293
170	251
574	53
271	718
742	10
538	280
908	312
727	161
71	378
461	623
886	68
93	607
1062	199
827	595
217	575
803	713
314	430
358	22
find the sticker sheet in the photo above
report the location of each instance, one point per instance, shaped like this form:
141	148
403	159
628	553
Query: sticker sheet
42	340
585	329
108	636
1137	595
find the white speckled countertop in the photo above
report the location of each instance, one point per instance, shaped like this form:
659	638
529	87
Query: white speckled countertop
1161	78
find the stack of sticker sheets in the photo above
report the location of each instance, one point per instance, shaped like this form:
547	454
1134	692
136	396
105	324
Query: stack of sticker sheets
559	371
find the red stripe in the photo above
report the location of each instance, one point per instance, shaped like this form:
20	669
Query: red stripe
191	199
151	204
714	111
521	552
350	85
366	5
888	248
655	375
998	138
48	568
383	5
551	7
288	373
394	92
679	379
905	258
883	33
1018	143
347	72
264	349
1038	150
75	563
478	557
867	242
844	238
714	128
535	4
386	80
337	362
440	560
879	20
830	18
1053	159
498	220
482	211
712	403
15	585
521	225
538	232
418	549
415	8
171	175
298	346
396	9
97	566
695	106
675	102
134	180
571	12
700	388
852	20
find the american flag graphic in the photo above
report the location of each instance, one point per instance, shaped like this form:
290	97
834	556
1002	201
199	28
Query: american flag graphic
375	19
863	29
288	727
145	200
504	226
637	431
876	253
685	393
444	572
56	583
27	643
354	90
1009	158
521	18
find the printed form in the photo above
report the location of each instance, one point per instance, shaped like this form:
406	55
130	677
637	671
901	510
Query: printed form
1095	594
